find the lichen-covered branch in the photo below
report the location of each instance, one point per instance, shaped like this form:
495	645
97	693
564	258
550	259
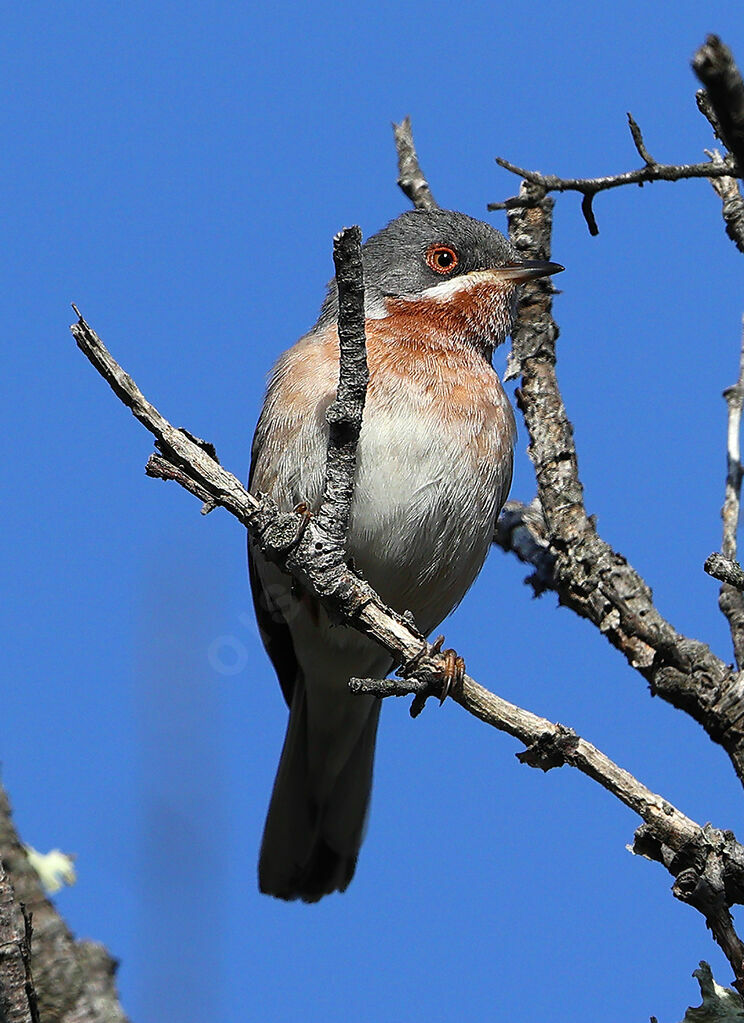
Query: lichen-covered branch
344	415
732	207
724	570
719	1005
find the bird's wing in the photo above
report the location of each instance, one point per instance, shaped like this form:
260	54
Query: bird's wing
272	626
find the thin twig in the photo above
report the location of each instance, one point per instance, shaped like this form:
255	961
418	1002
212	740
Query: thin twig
714	65
731	598
410	176
640	145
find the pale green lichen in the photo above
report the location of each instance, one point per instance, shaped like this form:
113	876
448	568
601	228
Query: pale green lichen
55	868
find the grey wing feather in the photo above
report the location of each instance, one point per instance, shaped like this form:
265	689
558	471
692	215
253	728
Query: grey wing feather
272	626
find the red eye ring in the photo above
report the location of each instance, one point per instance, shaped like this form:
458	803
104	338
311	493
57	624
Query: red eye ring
441	259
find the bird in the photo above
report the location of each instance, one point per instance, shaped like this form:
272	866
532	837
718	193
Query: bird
434	468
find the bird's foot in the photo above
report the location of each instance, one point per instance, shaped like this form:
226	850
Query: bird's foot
445	670
452	669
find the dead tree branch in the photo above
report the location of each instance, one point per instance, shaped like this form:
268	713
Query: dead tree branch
724	570
708	865
590	187
732	208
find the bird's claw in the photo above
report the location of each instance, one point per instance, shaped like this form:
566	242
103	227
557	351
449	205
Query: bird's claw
453	672
303	510
447	665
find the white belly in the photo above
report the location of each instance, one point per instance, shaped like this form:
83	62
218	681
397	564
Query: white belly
423	513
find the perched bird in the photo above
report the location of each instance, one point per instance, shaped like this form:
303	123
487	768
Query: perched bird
434	467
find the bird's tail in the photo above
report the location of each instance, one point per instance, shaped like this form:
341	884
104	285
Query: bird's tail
311	842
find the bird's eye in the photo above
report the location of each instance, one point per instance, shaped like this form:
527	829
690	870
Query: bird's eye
441	259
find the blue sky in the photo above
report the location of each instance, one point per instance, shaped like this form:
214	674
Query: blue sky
178	171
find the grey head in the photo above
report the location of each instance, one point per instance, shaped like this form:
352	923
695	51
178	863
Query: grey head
425	251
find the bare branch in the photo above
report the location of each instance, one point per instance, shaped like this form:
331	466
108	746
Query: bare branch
177	445
552	745
410	176
315	557
714	65
563	545
589	187
726	187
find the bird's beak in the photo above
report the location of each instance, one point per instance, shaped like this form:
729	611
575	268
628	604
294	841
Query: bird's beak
529	270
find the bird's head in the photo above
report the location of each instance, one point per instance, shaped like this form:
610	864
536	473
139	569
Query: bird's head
460	274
